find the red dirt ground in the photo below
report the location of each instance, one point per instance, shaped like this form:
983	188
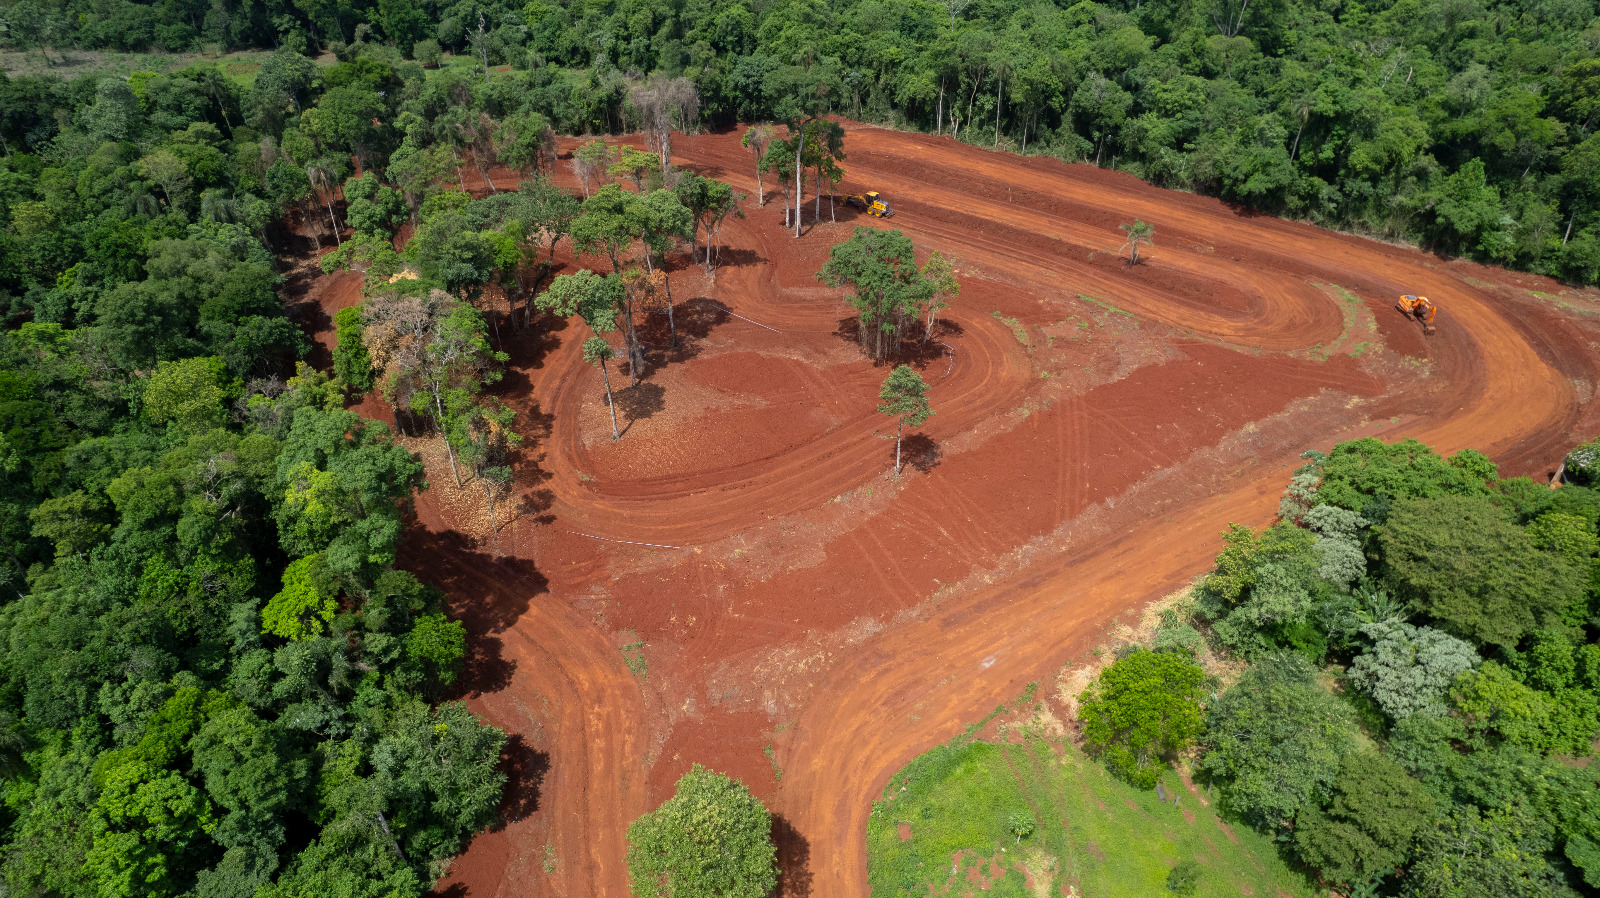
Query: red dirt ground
810	623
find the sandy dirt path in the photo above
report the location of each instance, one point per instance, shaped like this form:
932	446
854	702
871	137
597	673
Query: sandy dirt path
1097	428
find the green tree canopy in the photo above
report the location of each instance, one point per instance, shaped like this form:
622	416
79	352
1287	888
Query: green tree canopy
191	394
1275	741
1409	669
889	290
711	839
1464	562
1140	711
1374	812
905	398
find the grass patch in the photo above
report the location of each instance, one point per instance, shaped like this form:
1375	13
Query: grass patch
777	772
1090	830
1018	329
1104	305
633	656
1352	311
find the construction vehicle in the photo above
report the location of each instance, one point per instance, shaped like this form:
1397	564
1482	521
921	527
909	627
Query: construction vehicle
870	203
1418	307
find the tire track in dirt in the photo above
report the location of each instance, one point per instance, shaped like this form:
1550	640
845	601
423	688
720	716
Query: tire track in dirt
1021	226
846	748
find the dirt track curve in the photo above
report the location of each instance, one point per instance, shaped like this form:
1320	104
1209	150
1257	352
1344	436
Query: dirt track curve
1097	426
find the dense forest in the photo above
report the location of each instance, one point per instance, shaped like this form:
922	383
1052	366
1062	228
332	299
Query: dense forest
214	680
1401	680
1463	125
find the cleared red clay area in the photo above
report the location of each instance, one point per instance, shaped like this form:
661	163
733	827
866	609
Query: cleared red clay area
741	582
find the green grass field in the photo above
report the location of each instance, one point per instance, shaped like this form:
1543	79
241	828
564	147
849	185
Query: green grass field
1092	833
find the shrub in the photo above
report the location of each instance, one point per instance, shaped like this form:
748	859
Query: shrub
711	839
426	52
1140	709
1184	878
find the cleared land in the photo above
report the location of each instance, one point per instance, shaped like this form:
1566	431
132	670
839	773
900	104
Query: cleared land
821	624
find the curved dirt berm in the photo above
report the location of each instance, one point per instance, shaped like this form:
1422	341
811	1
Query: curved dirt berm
808	623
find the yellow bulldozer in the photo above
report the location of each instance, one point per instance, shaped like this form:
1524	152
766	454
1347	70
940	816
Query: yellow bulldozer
871	203
1419	308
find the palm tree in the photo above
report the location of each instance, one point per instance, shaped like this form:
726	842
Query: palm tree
1138	233
216	205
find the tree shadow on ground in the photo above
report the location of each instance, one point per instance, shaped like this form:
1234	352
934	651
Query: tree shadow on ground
640	402
911	350
735	257
694	320
308	315
529	346
794	859
488	594
921	452
525	768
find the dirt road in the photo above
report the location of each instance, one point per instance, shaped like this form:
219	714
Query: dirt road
807	622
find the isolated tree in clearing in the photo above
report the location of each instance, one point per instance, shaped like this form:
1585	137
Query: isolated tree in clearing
941	276
632	164
711	839
890	291
905	396
596	351
589	162
1139	232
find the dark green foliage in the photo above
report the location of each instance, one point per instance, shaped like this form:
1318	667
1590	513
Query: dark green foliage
1464	789
1463	561
1184	878
1141	711
212	681
890	293
1367	826
352	364
372	208
1494	854
711	839
1493	704
338	483
1263	591
1275	741
1368	476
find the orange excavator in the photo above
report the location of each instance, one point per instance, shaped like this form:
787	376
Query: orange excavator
1418	307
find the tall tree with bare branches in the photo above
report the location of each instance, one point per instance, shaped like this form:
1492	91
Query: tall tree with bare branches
756	140
664	105
323	181
589	162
